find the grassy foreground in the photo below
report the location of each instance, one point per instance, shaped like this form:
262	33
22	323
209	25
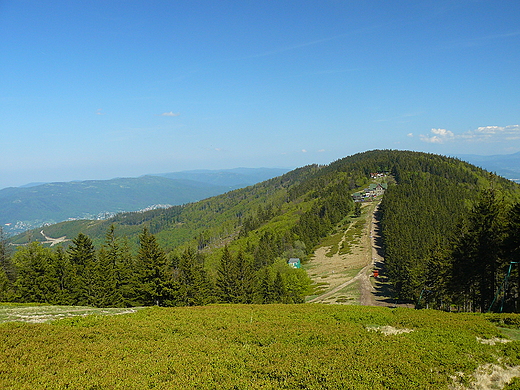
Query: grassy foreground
252	347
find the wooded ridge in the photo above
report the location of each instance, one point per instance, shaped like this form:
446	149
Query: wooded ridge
234	247
24	208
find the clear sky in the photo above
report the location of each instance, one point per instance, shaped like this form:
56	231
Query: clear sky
102	89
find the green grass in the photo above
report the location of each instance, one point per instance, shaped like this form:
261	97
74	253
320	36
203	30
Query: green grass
352	237
249	347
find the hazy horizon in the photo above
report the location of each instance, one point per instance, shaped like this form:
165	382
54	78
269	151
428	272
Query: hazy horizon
33	183
95	90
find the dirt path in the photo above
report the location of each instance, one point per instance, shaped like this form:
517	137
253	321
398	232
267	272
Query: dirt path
341	275
367	290
53	241
347	278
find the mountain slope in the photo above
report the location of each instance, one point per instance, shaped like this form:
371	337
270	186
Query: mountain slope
33	206
54	202
288	216
302	205
237	177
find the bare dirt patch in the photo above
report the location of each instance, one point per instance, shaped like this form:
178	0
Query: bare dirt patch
333	272
53	241
388	330
39	314
493	341
489	377
336	273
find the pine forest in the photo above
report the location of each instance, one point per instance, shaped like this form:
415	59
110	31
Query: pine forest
451	241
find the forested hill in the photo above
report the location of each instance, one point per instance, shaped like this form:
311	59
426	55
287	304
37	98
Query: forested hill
23	208
297	198
287	216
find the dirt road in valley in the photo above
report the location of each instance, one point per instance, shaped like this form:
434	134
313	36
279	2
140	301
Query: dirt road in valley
53	241
347	278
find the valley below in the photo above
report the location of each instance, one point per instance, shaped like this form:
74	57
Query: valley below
209	294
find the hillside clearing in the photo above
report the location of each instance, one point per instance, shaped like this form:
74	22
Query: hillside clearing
334	270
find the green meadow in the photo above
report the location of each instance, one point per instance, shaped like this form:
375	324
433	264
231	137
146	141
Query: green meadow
307	346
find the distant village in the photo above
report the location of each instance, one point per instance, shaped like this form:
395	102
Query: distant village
373	190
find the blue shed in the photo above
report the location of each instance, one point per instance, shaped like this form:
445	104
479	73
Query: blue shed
294	262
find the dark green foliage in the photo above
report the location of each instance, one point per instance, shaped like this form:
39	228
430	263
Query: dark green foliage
191	286
228	278
357	210
65	277
7	269
265	290
36	281
82	255
476	255
428	202
418	218
152	279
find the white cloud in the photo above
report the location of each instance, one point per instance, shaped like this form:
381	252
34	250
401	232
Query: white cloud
321	150
439	136
171	113
304	150
100	112
493	133
409	135
481	134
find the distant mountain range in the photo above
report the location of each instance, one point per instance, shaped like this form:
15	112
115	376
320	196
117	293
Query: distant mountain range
35	205
38	204
506	165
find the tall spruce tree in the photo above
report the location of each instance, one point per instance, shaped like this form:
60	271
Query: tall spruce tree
265	291
110	271
191	285
477	256
82	255
152	277
512	252
235	278
279	289
36	281
7	269
64	275
227	278
245	278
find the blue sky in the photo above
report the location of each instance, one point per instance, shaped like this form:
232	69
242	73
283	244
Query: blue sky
103	89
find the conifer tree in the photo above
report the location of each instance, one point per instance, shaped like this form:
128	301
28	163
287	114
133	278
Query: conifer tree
279	289
227	278
35	282
265	293
152	276
191	284
477	254
64	274
82	256
235	278
512	251
7	269
5	257
245	278
111	270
